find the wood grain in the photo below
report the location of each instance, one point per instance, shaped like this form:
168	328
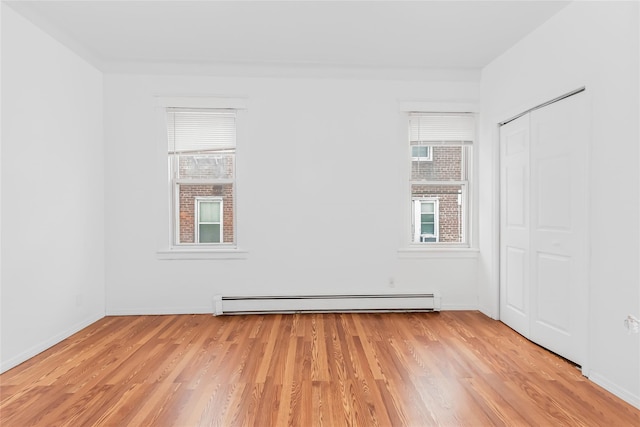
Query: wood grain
394	369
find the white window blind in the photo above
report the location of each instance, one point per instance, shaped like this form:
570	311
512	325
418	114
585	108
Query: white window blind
441	128
193	130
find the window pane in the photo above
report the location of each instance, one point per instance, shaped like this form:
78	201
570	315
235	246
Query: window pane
190	130
428	228
441	127
428	207
209	211
450	216
209	233
420	151
427	218
186	215
206	166
447	164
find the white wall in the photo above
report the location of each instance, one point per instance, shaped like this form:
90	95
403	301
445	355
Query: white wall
321	194
1	10
592	44
52	192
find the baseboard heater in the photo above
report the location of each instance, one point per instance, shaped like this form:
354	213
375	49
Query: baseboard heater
325	303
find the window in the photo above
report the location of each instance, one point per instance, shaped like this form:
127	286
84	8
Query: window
209	220
201	154
421	153
426	219
440	157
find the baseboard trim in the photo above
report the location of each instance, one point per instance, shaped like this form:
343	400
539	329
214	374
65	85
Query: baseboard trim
155	311
5	365
613	388
159	311
459	307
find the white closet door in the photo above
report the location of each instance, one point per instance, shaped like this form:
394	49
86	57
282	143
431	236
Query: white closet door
515	225
559	239
544	234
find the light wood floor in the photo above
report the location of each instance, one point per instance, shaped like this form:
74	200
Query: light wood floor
449	369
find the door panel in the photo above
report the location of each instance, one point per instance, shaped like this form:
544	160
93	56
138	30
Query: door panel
515	203
514	228
554	273
515	296
559	141
554	187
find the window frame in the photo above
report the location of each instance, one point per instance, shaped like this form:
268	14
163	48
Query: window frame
167	249
466	198
176	181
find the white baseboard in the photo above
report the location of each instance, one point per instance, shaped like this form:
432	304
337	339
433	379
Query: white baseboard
459	307
159	311
5	365
626	395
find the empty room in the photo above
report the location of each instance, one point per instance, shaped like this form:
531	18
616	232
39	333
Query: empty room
319	213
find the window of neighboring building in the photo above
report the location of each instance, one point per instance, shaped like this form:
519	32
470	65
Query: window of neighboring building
209	220
439	187
425	217
421	153
202	149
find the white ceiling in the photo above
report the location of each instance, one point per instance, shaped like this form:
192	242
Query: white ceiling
371	34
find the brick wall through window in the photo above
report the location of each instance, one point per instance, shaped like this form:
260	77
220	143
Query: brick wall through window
187	197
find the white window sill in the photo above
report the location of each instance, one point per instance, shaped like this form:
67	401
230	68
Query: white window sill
436	252
197	253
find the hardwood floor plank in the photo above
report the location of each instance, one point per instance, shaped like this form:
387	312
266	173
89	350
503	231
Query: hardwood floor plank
369	392
497	409
75	408
392	407
393	369
201	410
265	402
320	368
124	407
273	327
320	403
366	341
39	401
218	406
401	389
